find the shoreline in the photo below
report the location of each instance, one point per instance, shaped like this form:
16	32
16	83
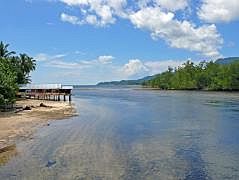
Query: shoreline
22	125
200	90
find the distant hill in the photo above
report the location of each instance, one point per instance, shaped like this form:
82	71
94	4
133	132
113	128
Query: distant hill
126	82
228	60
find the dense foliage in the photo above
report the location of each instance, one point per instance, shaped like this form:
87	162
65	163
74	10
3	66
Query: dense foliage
205	76
14	70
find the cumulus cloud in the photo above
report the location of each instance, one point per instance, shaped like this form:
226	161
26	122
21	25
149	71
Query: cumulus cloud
133	68
219	10
96	12
178	34
70	19
158	17
136	68
171	5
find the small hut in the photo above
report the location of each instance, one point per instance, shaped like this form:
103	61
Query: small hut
45	91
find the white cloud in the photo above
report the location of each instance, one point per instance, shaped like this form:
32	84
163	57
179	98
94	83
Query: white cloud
41	57
96	12
173	5
70	19
157	16
98	69
219	10
179	34
64	65
136	68
47	57
133	67
57	61
102	66
156	67
58	56
105	59
91	19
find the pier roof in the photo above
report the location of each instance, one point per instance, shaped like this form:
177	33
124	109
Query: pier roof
44	86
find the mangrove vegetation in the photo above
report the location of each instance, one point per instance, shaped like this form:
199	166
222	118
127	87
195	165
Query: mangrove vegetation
202	76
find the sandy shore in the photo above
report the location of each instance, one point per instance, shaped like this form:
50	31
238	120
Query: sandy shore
14	126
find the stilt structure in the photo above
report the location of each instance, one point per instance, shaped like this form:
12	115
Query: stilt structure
45	91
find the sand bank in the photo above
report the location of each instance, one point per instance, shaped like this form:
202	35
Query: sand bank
15	126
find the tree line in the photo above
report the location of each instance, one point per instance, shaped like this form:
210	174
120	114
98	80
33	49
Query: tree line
204	76
14	70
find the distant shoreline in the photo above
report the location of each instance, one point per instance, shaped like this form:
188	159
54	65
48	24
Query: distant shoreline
201	90
141	87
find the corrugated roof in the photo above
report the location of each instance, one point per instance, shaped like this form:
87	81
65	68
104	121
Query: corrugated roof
45	86
67	87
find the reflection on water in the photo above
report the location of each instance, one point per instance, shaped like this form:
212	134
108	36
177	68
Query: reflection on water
131	134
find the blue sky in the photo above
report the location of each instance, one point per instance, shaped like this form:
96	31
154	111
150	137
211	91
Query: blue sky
88	41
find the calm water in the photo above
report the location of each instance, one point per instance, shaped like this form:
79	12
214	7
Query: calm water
136	134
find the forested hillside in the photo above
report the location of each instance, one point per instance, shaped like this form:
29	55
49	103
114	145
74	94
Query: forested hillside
126	82
205	76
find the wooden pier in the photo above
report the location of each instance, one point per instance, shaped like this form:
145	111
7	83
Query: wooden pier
53	92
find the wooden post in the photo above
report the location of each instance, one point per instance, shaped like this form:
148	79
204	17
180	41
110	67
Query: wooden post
70	97
59	97
64	97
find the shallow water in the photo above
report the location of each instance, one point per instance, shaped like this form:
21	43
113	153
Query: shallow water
136	134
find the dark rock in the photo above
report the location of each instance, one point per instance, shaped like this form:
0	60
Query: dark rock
27	108
43	105
50	163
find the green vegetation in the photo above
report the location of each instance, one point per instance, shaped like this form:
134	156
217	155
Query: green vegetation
205	76
14	70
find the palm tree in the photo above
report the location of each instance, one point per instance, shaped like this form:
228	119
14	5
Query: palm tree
26	64
4	53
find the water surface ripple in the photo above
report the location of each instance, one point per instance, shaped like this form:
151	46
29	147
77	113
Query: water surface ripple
136	134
